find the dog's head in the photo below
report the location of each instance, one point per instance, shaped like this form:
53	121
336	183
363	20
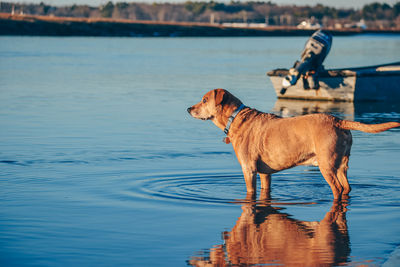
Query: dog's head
216	105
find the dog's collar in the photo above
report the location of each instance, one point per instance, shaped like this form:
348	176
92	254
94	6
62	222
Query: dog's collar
232	117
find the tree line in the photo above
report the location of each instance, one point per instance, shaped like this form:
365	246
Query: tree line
380	15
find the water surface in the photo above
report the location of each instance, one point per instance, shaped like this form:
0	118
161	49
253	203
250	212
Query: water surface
101	165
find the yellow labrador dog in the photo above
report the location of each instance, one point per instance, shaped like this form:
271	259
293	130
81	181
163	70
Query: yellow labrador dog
265	143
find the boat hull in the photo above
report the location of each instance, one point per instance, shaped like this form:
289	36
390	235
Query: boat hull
375	83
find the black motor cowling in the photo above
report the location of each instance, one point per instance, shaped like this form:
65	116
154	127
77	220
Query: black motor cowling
314	53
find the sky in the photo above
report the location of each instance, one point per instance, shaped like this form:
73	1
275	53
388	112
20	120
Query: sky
335	3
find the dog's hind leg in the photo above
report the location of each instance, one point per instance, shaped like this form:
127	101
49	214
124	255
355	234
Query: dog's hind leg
328	168
344	162
333	181
342	175
332	156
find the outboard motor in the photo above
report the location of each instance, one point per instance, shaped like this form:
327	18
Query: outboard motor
314	53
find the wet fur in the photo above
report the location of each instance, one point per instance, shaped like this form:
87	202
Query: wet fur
265	143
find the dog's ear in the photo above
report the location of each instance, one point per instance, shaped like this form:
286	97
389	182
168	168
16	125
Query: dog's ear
221	96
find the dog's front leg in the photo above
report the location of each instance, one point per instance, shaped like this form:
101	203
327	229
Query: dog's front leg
265	186
250	177
265	181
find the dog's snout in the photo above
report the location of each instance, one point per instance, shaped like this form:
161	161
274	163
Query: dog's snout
189	109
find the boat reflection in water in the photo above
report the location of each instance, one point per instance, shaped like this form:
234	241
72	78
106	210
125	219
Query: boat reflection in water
264	234
290	108
367	112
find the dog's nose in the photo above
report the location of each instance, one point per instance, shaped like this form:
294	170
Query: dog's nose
189	109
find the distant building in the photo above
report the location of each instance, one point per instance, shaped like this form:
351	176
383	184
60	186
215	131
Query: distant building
244	25
361	25
307	24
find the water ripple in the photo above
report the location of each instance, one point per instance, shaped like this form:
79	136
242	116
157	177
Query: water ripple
288	188
192	188
81	157
13	162
225	188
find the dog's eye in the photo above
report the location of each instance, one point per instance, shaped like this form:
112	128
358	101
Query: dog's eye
204	100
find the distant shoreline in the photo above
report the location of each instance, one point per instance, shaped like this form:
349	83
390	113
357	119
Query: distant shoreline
32	25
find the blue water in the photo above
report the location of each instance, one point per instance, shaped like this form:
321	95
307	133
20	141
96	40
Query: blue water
101	165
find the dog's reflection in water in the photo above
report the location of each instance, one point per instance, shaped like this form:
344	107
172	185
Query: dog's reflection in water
265	235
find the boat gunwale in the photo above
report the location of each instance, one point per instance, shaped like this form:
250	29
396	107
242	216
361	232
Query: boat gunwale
367	71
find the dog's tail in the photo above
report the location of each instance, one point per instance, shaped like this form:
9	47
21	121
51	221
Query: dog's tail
368	128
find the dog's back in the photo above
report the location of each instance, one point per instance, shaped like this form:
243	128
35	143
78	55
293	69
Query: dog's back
265	143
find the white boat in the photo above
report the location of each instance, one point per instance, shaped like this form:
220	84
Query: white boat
372	83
